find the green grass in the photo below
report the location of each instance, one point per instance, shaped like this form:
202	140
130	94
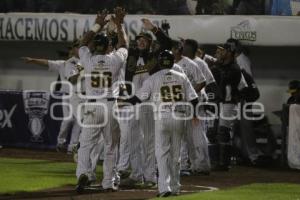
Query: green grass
250	192
24	175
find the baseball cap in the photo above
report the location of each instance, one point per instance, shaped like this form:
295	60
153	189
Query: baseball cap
145	35
294	85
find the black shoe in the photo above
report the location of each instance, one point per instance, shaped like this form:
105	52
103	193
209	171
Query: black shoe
61	148
124	174
82	183
164	194
185	172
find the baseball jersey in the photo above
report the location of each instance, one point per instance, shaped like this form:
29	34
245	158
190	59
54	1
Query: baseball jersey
167	87
141	74
192	71
178	68
205	70
209	58
243	61
65	68
102	71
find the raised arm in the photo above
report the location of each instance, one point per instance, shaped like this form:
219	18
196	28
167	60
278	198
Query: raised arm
98	26
37	61
164	41
118	19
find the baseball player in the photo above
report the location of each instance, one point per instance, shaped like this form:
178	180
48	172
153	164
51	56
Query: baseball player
68	71
101	72
165	88
197	79
141	61
201	164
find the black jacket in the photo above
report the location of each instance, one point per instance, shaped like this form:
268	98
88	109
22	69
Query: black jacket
150	58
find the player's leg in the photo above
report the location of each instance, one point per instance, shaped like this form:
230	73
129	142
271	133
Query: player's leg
162	153
176	138
76	130
124	150
147	126
101	148
184	164
111	135
134	142
224	134
64	127
203	155
191	146
93	115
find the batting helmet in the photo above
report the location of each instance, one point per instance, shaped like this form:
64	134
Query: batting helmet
166	59
101	42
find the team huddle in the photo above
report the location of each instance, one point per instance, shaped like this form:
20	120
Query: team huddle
147	109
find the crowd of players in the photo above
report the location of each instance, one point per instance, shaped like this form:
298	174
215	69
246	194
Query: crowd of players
148	146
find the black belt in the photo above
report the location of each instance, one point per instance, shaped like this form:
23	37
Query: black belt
95	100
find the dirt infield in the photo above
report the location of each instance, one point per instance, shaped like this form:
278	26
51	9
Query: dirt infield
237	176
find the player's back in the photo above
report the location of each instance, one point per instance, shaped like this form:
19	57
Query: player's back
102	71
192	70
205	70
169	86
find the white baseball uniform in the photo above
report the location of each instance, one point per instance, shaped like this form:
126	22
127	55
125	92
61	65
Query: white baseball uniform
101	72
165	88
189	145
66	69
124	150
201	160
243	61
141	134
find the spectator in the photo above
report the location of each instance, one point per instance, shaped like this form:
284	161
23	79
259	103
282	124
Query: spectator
249	7
281	7
294	91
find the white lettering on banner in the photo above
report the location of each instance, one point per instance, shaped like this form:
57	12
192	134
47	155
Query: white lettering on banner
205	29
5	117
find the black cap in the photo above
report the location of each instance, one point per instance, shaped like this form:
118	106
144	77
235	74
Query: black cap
233	45
145	35
294	85
166	59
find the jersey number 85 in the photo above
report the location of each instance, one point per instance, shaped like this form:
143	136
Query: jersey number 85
171	93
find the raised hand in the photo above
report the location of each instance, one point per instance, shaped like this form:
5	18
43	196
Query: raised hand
27	59
148	24
100	19
120	13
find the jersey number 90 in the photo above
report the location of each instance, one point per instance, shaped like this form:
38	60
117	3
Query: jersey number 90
101	80
171	93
